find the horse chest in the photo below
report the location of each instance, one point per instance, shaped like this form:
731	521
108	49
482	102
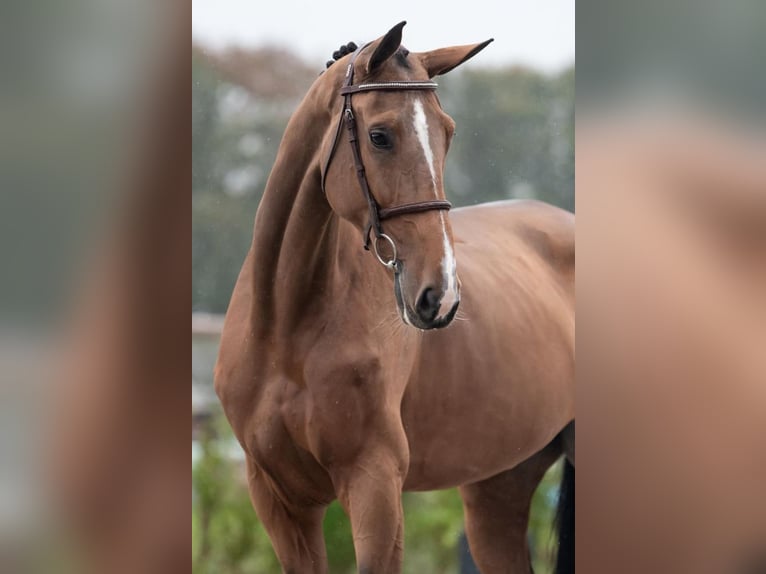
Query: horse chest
338	404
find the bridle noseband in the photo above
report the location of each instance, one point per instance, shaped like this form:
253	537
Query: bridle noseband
376	213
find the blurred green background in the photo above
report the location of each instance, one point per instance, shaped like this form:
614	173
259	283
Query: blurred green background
515	139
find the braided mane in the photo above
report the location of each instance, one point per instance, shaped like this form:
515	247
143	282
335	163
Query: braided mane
340	52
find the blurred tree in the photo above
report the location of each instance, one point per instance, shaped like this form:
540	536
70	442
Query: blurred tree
239	112
515	136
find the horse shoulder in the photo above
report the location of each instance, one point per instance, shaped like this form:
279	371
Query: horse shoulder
353	405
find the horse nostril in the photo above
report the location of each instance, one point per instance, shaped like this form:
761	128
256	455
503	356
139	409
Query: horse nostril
427	305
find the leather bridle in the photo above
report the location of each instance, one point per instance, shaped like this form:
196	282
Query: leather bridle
377	214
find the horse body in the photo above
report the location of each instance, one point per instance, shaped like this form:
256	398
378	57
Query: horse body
482	383
331	395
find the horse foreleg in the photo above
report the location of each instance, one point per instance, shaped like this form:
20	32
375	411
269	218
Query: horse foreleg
295	532
370	490
497	514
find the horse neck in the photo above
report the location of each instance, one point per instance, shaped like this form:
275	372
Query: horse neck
300	246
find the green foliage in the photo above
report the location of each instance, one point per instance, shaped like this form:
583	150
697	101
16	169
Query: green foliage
227	537
542	537
433	522
337	535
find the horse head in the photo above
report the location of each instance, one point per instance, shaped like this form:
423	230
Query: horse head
397	150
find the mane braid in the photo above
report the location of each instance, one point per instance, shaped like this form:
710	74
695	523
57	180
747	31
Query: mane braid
340	52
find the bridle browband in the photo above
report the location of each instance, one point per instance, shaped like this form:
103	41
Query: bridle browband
376	213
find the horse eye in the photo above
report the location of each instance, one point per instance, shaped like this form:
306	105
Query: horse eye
380	139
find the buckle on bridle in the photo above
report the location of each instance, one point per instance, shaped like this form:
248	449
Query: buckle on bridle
392	263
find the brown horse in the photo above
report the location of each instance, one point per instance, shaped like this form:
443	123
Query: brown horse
336	372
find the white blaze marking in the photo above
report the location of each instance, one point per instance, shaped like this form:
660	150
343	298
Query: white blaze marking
421	129
448	264
448	272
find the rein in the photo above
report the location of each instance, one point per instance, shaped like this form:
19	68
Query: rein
377	214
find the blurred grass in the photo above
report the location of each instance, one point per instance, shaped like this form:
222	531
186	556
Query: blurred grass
227	537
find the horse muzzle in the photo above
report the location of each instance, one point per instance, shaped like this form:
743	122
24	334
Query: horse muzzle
434	307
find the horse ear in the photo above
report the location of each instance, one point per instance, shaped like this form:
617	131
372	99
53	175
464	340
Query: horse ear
443	60
386	47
